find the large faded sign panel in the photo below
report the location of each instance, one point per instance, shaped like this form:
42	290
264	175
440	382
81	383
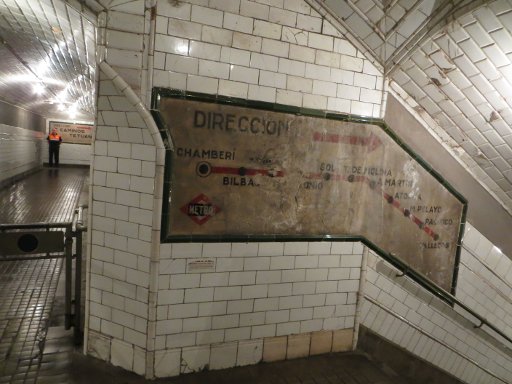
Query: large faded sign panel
243	171
73	133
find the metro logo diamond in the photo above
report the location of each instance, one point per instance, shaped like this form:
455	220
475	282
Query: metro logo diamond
200	209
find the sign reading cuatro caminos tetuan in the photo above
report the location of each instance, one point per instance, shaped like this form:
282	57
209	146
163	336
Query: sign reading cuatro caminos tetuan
241	171
73	133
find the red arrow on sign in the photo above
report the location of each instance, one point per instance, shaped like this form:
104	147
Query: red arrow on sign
372	141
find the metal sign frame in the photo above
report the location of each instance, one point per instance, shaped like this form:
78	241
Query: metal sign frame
159	93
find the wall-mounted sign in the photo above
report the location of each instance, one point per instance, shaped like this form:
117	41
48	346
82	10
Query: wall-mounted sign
239	171
73	133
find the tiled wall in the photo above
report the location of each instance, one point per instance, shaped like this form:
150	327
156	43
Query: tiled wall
20	151
278	51
485	280
257	301
249	293
21	133
480	289
72	154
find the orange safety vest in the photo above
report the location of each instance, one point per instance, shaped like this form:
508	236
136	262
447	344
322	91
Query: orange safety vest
55	137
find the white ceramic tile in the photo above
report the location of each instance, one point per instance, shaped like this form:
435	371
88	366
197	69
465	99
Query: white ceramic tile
167	363
235	56
319	41
213	69
275	48
318	72
203	15
243	74
324	88
182	64
195	359
202	84
254	291
185	29
171	44
223	356
282	16
204	50
249	352
262	93
315	102
238	23
247	42
229	264
261	331
242	278
255	10
227	293
289	97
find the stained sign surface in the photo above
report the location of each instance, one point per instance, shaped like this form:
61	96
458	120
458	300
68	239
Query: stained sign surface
73	133
242	171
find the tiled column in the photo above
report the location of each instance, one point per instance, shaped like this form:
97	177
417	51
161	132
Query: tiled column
127	182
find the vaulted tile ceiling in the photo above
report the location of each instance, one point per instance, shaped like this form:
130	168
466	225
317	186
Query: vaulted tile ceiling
454	60
47	65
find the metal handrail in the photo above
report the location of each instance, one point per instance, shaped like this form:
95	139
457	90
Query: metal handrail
63	224
78	224
433	288
403	319
73	229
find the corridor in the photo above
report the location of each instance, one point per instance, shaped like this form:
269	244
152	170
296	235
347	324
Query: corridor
30	288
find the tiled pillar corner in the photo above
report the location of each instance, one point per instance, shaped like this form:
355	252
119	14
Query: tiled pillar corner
99	346
167	363
342	340
321	342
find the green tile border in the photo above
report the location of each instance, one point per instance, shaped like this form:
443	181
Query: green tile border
159	93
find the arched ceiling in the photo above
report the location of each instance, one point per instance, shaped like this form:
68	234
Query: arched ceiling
47	64
453	61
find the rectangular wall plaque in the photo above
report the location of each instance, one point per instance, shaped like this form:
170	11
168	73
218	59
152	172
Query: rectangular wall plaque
239	171
73	133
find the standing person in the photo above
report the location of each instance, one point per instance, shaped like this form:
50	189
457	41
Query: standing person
54	140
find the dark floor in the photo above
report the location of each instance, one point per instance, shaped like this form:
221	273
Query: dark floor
35	347
338	368
49	195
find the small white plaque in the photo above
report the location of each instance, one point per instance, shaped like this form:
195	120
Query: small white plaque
201	265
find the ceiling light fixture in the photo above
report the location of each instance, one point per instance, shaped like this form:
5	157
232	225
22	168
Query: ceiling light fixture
38	88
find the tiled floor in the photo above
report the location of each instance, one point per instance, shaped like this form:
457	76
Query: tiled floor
35	347
49	195
28	287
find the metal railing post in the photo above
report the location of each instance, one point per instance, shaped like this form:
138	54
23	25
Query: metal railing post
78	285
68	276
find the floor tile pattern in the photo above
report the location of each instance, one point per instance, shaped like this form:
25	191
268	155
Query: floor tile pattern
49	195
27	289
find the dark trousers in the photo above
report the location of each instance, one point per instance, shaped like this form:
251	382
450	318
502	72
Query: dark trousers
54	154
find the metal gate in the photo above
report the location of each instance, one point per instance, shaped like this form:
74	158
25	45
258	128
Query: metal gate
62	240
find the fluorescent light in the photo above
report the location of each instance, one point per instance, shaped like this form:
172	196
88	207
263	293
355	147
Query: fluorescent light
38	89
